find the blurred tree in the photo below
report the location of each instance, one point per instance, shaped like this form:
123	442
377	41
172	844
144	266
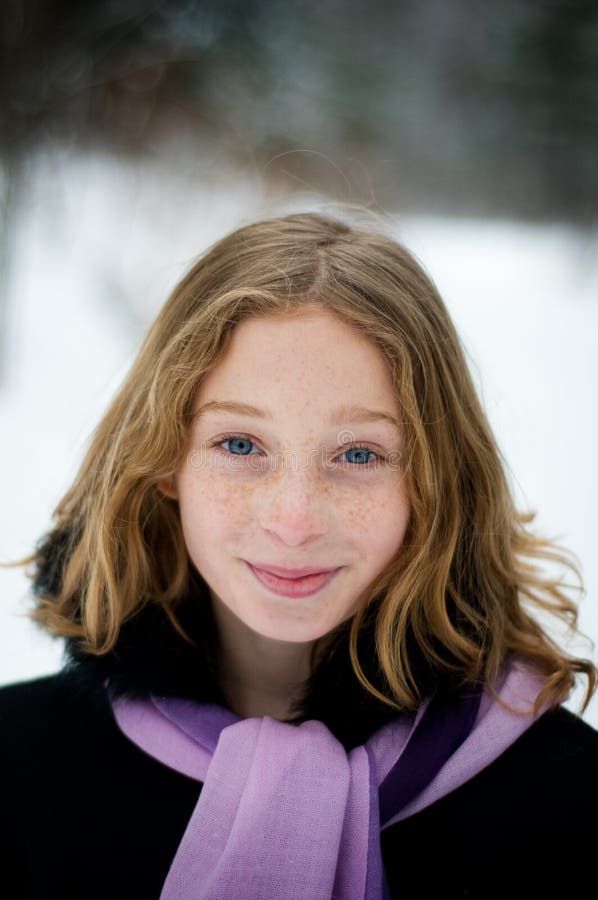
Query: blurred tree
450	105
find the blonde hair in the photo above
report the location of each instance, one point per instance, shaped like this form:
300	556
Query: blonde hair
459	597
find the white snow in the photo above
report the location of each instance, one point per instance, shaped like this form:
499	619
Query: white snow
100	242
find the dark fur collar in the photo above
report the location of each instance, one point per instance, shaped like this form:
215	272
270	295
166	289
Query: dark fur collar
150	656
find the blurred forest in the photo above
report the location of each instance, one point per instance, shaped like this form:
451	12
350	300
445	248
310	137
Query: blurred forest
452	106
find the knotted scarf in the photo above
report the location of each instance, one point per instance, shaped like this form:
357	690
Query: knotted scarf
285	813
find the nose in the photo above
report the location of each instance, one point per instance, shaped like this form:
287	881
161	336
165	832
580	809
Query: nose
293	508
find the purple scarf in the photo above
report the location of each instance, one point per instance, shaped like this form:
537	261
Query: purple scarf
286	812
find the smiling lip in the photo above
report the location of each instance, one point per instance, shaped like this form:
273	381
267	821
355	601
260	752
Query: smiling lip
290	573
298	586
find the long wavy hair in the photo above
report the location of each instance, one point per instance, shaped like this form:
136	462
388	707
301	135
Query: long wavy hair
467	588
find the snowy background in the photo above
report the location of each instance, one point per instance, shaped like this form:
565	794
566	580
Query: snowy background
98	243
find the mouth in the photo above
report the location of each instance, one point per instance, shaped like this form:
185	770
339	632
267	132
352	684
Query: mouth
292	573
294	582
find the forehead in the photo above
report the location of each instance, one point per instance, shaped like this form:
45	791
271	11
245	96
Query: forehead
310	355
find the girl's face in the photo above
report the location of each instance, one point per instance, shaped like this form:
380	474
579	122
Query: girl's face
273	478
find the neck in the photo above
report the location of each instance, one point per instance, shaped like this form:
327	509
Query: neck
259	676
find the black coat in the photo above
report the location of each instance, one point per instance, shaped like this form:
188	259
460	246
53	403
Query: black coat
86	814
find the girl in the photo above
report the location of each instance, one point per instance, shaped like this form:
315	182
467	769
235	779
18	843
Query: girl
302	655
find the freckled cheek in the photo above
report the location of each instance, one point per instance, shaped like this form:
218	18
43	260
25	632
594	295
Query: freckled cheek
225	503
375	522
372	509
355	514
375	517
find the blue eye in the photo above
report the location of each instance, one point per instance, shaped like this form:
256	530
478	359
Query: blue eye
363	457
362	454
238	440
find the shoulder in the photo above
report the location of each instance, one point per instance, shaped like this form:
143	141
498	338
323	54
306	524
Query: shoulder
51	710
558	736
551	769
59	730
32	702
536	802
555	761
68	774
56	734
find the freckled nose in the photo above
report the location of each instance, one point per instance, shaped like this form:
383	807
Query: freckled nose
293	509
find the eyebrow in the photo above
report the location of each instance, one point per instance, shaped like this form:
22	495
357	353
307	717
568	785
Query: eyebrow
342	415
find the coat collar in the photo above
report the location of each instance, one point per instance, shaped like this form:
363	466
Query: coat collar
151	657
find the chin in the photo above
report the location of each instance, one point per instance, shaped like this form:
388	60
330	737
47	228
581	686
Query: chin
291	634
